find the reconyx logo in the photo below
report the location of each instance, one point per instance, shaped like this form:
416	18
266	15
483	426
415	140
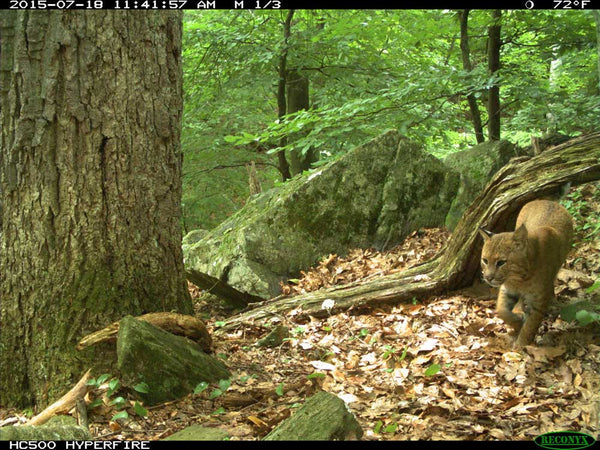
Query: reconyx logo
564	439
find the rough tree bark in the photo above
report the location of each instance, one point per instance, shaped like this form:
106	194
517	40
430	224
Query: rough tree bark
298	100
91	173
493	66
466	59
456	266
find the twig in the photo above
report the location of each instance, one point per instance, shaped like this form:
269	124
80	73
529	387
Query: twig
65	403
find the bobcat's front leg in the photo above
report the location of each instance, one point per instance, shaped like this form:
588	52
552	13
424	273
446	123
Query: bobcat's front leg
504	308
536	310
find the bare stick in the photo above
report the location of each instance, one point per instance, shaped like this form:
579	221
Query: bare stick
65	403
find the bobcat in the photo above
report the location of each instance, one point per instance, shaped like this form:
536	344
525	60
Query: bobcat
524	264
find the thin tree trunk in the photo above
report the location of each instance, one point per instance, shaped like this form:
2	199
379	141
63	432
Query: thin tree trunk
284	167
466	59
596	14
456	266
91	173
493	67
298	100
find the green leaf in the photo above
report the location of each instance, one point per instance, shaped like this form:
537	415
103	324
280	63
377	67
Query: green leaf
569	312
432	370
585	317
142	387
102	378
95	403
119	402
140	410
378	426
221	410
224	384
299	331
593	287
114	384
200	387
215	393
120	415
279	390
403	355
315	375
391	428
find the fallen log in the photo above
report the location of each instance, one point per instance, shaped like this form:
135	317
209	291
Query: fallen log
221	289
576	161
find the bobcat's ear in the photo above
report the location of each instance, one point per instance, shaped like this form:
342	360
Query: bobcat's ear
485	234
520	234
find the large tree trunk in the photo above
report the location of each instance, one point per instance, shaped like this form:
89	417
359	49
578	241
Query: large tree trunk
91	172
493	66
466	59
456	266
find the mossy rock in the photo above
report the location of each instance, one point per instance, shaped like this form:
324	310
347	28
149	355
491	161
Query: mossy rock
172	366
373	196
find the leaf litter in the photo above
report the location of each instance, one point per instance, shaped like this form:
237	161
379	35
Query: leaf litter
441	369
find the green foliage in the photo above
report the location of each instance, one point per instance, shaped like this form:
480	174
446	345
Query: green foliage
432	370
368	71
113	383
120	415
140	410
299	331
587	221
142	388
279	389
378	426
200	387
120	403
223	386
316	375
584	312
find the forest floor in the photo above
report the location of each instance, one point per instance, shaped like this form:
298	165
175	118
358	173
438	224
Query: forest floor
441	368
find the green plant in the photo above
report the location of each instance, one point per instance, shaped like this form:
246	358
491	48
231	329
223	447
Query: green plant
584	312
223	386
112	385
432	370
315	375
299	331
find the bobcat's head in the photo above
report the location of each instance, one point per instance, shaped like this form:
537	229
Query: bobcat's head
504	256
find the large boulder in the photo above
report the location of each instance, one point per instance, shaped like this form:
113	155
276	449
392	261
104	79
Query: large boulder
374	196
476	166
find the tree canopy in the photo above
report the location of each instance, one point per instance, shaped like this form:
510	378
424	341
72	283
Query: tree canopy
369	71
